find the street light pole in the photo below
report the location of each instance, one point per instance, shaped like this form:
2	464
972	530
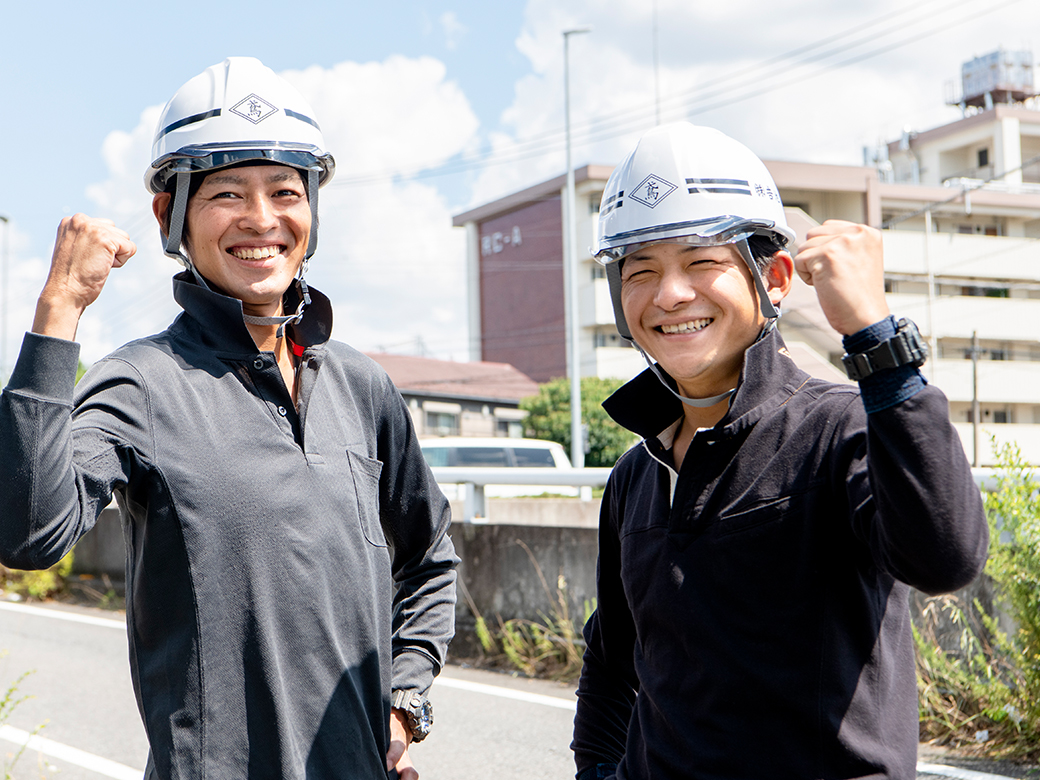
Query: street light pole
570	269
3	302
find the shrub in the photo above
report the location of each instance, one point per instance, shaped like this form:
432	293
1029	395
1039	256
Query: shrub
985	691
37	585
549	417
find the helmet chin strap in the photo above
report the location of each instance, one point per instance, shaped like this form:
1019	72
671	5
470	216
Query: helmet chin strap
769	311
295	318
702	403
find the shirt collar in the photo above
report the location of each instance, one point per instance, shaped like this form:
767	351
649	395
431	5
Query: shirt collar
219	316
768	378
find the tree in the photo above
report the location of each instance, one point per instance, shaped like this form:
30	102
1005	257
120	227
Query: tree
549	417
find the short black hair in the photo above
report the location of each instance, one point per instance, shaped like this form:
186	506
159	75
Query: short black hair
764	246
197	177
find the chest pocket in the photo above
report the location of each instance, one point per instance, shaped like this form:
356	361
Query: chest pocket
756	520
770	542
365	472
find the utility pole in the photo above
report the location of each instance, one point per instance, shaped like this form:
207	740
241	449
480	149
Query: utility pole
976	412
570	269
3	286
657	85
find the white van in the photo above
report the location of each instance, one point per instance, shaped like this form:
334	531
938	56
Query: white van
501	452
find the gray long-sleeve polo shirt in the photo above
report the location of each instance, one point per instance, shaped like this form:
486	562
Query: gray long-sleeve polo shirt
284	569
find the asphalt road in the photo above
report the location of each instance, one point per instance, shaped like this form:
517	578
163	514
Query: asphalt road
487	725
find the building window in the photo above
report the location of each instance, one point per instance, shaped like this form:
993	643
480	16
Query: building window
1001	418
442	423
514	429
601	339
983	157
976	291
594	200
598	272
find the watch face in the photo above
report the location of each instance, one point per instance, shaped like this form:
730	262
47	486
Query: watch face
425	715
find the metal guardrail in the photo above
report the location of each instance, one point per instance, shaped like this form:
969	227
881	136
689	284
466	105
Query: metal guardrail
986	478
474	480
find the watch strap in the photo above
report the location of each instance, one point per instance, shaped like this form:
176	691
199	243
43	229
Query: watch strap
905	348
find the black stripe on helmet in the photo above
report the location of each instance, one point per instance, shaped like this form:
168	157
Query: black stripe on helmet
719	190
737	182
719	186
302	118
188	120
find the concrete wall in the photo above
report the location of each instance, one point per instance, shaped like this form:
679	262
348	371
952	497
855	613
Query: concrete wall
101	550
511	571
511	567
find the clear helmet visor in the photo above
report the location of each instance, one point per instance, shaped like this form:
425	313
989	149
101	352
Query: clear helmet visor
211	157
710	232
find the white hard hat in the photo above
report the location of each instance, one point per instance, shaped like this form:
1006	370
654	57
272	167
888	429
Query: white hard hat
691	183
232	113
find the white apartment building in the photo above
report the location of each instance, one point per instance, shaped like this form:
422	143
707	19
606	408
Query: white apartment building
959	207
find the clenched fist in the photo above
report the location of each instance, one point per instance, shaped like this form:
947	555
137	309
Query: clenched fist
844	262
85	251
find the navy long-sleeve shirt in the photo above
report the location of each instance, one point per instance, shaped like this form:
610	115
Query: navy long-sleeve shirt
755	623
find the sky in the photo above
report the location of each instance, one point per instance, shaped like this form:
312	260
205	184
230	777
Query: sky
432	107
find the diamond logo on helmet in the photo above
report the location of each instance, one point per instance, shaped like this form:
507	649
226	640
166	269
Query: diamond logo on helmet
652	190
254	108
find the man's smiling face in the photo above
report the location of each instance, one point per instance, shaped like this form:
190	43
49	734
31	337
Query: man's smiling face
247	233
693	309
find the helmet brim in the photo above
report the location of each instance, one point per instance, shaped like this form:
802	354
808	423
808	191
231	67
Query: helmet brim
212	157
713	232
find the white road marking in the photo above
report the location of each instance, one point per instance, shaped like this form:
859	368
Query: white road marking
58	614
71	755
952	771
505	693
122	772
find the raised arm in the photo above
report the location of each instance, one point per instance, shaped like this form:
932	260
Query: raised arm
912	494
46	501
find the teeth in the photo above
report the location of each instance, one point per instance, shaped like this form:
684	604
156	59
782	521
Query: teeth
686	327
256	253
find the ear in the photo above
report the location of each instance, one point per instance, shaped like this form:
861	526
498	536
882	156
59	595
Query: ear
779	276
160	208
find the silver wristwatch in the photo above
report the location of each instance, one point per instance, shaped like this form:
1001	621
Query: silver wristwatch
417	708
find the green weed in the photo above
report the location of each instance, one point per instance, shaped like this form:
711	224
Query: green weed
37	585
983	691
550	647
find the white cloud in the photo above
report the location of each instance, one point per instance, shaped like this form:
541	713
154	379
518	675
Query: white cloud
25	278
388	256
453	29
711	72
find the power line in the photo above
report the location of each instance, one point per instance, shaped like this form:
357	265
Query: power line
691	102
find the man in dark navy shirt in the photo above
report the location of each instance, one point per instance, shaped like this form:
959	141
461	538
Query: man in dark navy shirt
756	551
